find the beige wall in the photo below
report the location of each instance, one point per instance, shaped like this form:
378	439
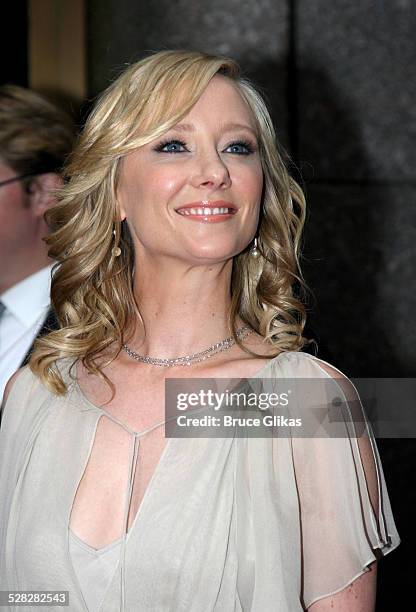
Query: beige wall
57	47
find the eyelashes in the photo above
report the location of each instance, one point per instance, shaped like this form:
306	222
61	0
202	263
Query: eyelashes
174	145
247	146
170	143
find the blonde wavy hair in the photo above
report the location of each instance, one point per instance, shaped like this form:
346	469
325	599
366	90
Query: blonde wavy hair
92	289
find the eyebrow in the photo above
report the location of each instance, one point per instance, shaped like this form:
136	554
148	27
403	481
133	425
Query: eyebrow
227	127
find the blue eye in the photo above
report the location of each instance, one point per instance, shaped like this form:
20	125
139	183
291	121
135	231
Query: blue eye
178	146
171	146
241	148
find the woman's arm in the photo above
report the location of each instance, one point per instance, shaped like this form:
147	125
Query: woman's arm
359	596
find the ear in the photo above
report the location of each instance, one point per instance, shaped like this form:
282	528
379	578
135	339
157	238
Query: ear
121	211
42	192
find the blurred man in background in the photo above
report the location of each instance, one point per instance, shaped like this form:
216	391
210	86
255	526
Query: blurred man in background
35	139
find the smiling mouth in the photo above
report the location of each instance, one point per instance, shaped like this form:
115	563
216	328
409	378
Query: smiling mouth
205	211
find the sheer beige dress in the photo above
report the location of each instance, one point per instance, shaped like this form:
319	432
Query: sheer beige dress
225	524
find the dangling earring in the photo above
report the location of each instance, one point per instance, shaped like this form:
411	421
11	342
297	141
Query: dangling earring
254	252
116	251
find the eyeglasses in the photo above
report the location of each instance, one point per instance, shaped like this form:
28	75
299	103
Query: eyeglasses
17	178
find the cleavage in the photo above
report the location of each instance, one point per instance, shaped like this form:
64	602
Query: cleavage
114	481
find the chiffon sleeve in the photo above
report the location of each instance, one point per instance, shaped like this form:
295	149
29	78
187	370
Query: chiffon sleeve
346	519
17	426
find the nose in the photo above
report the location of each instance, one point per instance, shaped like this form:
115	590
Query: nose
210	171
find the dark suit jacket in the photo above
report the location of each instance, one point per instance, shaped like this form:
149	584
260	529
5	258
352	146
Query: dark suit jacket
50	323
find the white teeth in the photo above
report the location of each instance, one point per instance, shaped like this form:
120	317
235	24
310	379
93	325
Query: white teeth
205	211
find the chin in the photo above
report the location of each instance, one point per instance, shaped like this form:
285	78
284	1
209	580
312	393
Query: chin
212	254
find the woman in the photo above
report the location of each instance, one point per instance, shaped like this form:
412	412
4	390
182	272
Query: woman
179	228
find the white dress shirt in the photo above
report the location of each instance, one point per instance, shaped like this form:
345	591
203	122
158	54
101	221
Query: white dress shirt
27	304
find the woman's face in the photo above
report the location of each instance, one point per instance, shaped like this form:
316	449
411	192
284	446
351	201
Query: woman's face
194	194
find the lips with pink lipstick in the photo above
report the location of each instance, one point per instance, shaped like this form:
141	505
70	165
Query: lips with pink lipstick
207	211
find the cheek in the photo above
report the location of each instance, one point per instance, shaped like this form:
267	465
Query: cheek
157	187
250	183
166	182
12	207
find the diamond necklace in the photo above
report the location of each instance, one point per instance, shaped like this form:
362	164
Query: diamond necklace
188	360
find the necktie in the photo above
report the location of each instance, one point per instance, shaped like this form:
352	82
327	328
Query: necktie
2	309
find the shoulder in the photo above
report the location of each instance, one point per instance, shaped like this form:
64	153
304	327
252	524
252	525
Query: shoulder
23	390
301	362
304	365
10	384
327	378
16	381
12	387
7	390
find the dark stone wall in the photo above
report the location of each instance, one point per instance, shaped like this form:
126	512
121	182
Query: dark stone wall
356	134
339	79
253	33
356	87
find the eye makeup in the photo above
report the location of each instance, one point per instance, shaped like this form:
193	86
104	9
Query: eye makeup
170	142
245	144
247	147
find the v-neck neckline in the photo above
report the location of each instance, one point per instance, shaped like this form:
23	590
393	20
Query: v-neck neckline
103	413
100	412
133	527
95	551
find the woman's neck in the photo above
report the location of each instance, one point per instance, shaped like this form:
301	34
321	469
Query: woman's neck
184	311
